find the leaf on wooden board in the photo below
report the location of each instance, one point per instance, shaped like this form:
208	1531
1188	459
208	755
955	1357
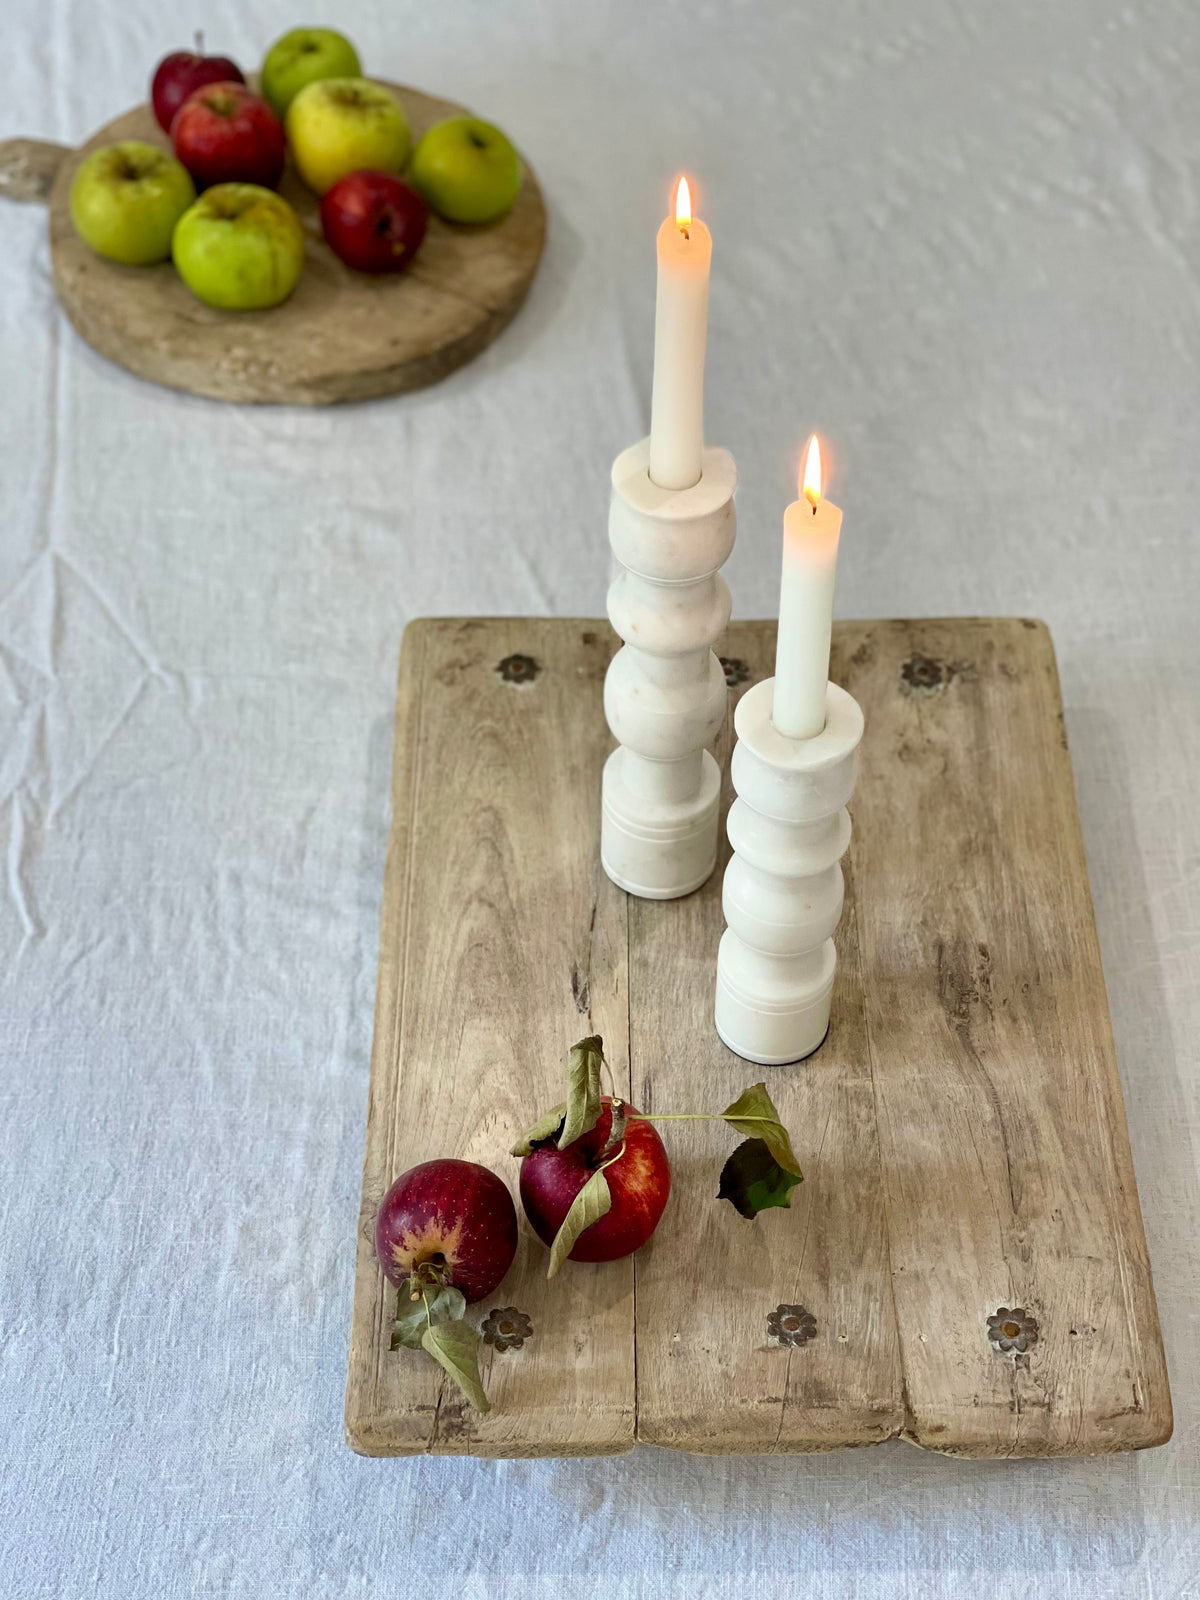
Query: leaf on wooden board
412	1318
544	1131
455	1346
583	1090
753	1113
753	1181
592	1202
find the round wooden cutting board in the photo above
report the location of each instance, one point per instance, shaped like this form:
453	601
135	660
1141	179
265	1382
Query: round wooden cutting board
342	335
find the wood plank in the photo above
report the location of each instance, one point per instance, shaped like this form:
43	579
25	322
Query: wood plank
710	1379
1002	1128
501	943
962	1130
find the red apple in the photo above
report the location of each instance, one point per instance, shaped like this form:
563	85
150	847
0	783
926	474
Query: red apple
373	221
178	74
225	134
639	1182
454	1215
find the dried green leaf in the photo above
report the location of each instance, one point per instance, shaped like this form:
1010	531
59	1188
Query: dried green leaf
408	1327
592	1202
543	1131
753	1181
445	1304
583	1090
753	1113
455	1346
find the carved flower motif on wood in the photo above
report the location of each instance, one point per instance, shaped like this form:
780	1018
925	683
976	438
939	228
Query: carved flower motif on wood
792	1325
1012	1330
506	1328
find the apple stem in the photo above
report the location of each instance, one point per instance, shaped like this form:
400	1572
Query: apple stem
422	1276
199	37
616	1131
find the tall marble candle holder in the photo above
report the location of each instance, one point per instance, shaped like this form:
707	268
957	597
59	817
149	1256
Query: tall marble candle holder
783	887
665	693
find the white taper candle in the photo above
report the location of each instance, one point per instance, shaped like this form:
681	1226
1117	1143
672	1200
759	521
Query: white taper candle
811	526
680	335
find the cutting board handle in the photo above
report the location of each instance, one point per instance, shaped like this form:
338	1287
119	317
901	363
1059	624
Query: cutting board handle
28	168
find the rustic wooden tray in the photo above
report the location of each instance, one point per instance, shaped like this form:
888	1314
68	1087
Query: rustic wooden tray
342	335
962	1130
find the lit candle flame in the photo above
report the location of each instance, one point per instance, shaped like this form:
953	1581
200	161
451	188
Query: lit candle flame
811	482
683	207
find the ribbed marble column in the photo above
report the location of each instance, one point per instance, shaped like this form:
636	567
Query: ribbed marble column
665	693
783	887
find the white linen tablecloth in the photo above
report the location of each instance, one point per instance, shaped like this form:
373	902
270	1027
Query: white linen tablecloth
961	238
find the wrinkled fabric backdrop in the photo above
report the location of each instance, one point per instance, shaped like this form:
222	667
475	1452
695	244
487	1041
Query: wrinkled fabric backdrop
962	240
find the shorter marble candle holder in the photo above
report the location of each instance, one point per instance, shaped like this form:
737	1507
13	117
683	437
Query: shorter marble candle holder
665	693
783	888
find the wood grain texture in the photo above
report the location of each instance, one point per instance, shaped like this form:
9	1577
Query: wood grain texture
28	168
501	944
1001	1122
342	335
710	1379
962	1130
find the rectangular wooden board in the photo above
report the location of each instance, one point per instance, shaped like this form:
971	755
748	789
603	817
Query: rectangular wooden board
962	1130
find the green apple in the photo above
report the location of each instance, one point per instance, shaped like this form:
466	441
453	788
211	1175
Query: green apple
467	170
304	56
240	247
126	199
343	125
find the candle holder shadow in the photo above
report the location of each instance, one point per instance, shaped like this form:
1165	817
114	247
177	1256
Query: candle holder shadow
961	1130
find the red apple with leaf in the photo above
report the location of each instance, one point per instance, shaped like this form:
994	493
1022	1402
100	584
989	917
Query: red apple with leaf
638	1180
181	73
446	1234
595	1177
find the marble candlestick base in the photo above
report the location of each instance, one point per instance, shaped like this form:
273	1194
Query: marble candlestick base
665	693
783	887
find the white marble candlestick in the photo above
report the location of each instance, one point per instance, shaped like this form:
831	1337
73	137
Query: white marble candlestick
783	886
665	693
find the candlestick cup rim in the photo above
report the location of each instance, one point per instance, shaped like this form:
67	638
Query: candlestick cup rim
841	734
713	490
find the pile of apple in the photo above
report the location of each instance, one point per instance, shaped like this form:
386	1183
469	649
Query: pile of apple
240	246
594	1182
